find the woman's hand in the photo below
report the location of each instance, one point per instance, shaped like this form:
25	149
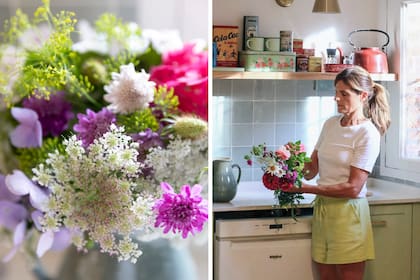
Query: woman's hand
293	189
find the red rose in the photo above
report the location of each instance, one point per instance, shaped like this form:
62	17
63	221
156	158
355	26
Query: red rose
271	182
274	183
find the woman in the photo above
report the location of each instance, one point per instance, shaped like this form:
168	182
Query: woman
343	157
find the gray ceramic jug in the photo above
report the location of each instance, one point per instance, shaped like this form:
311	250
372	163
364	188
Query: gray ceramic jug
224	182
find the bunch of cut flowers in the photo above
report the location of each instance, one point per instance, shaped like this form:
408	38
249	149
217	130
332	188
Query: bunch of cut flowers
103	139
283	169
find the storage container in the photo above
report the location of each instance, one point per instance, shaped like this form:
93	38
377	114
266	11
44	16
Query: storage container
267	61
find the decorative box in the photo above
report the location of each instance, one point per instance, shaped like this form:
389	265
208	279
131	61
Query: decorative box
267	61
227	40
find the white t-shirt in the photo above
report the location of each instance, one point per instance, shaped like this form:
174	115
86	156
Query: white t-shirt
340	147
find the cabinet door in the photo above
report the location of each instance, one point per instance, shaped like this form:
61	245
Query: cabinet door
415	262
263	259
392	236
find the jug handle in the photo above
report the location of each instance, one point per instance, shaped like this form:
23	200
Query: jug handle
374	30
239	172
340	51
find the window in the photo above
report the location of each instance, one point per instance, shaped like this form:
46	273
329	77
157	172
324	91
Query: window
401	158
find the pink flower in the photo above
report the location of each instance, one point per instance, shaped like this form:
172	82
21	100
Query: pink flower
301	149
185	71
185	212
283	153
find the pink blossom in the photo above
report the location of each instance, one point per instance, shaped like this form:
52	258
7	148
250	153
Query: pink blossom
186	71
283	153
185	212
301	149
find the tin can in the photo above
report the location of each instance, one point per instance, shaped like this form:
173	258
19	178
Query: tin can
286	41
315	64
302	62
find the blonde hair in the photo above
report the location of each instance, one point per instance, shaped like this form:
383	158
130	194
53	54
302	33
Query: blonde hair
377	106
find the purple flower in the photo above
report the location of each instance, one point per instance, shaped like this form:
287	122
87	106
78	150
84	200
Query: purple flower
54	113
5	194
185	212
147	139
93	125
29	132
14	213
19	184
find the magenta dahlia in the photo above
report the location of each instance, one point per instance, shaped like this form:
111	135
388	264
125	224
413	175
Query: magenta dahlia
185	212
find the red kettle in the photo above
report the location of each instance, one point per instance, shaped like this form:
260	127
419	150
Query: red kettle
373	59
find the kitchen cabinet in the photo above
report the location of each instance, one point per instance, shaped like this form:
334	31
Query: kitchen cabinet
392	230
244	75
415	261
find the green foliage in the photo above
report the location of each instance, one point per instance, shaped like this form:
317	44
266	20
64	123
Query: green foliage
113	64
138	121
115	29
30	157
52	66
149	58
166	101
14	27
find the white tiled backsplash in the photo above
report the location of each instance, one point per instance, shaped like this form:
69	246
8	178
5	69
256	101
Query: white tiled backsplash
251	112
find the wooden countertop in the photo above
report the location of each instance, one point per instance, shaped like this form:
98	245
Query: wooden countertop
254	196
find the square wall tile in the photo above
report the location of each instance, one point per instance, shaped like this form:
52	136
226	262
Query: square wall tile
219	152
246	174
284	133
308	110
265	90
285	111
242	112
222	88
264	133
286	90
305	89
264	111
222	135
325	86
308	134
242	135
238	154
243	89
221	110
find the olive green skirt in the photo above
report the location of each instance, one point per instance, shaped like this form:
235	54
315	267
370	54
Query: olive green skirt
341	231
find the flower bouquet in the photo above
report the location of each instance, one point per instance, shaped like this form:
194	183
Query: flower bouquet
283	169
103	140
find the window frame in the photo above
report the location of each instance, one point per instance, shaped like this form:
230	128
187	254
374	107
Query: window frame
392	163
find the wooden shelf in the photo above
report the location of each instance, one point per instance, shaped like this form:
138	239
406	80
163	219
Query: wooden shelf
241	75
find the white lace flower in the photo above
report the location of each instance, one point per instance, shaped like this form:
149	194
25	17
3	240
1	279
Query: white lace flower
129	90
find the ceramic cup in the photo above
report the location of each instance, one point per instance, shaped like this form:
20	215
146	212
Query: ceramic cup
255	44
272	44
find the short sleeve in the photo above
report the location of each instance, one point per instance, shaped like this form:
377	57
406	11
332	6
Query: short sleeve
367	149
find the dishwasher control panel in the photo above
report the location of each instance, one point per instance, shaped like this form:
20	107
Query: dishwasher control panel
262	227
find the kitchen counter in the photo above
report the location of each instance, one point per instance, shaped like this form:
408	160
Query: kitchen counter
254	196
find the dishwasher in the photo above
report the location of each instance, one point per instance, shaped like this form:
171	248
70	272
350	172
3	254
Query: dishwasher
269	248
